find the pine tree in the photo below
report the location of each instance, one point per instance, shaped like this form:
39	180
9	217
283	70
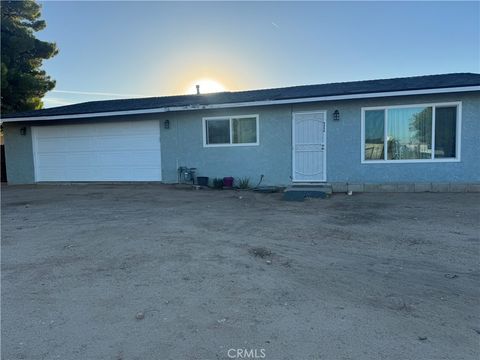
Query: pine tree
24	83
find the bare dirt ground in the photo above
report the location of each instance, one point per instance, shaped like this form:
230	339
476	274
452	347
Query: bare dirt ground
162	272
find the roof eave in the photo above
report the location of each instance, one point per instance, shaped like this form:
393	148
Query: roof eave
250	103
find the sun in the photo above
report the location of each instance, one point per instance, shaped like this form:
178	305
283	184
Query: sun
206	86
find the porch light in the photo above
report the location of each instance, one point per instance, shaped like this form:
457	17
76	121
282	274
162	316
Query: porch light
23	131
166	124
336	115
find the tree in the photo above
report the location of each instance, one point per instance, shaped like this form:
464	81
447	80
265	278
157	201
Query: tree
24	83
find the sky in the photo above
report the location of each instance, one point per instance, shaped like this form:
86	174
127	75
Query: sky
120	49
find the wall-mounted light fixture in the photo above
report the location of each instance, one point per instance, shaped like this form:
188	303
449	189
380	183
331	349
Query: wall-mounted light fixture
23	131
336	115
166	124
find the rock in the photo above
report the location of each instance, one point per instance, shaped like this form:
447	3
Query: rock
451	276
260	252
269	262
140	315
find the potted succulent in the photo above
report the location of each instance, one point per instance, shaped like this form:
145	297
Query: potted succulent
228	182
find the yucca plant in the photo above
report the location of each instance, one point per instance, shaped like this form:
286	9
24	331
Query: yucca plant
244	183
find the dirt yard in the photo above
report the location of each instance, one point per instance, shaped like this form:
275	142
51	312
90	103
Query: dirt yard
162	272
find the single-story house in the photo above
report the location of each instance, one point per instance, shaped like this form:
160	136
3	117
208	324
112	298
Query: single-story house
403	134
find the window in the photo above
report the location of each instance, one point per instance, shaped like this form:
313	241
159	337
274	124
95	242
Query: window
445	131
218	131
374	133
231	130
411	133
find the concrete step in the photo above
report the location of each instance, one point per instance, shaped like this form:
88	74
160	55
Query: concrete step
323	187
299	192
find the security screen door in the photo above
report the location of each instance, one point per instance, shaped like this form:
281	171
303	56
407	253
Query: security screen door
309	146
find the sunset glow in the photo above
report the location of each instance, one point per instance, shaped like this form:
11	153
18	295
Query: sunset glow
206	86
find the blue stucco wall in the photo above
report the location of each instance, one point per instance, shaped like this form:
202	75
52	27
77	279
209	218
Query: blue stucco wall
18	154
182	145
344	144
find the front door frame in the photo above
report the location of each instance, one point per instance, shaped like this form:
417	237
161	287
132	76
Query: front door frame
324	112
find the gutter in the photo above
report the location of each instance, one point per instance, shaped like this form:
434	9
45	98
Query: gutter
247	104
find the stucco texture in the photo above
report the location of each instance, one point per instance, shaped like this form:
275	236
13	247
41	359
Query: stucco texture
18	154
182	145
344	144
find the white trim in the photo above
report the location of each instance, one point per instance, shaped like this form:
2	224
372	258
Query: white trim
411	161
458	138
325	147
250	103
230	118
160	148
432	157
324	112
442	104
385	135
459	132
293	147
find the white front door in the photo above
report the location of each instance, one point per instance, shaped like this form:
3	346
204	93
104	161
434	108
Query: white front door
309	146
98	151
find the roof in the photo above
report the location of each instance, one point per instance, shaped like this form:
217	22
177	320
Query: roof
355	89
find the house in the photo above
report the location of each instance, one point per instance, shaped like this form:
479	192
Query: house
403	134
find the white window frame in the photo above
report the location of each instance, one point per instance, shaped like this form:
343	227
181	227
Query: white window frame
230	118
458	104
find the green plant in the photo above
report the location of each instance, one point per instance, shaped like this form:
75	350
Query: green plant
244	183
217	183
24	81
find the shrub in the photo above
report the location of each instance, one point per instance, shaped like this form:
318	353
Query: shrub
244	183
217	183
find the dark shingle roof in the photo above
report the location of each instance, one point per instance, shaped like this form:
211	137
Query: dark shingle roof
295	92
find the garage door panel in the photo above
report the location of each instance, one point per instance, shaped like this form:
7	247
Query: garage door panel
53	132
52	159
74	144
82	159
113	151
133	142
51	145
52	173
126	158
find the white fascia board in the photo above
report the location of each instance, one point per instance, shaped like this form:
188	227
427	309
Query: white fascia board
251	103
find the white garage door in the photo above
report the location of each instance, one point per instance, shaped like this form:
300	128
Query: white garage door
109	151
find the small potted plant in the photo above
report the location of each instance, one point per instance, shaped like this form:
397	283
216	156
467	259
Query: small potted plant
228	182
